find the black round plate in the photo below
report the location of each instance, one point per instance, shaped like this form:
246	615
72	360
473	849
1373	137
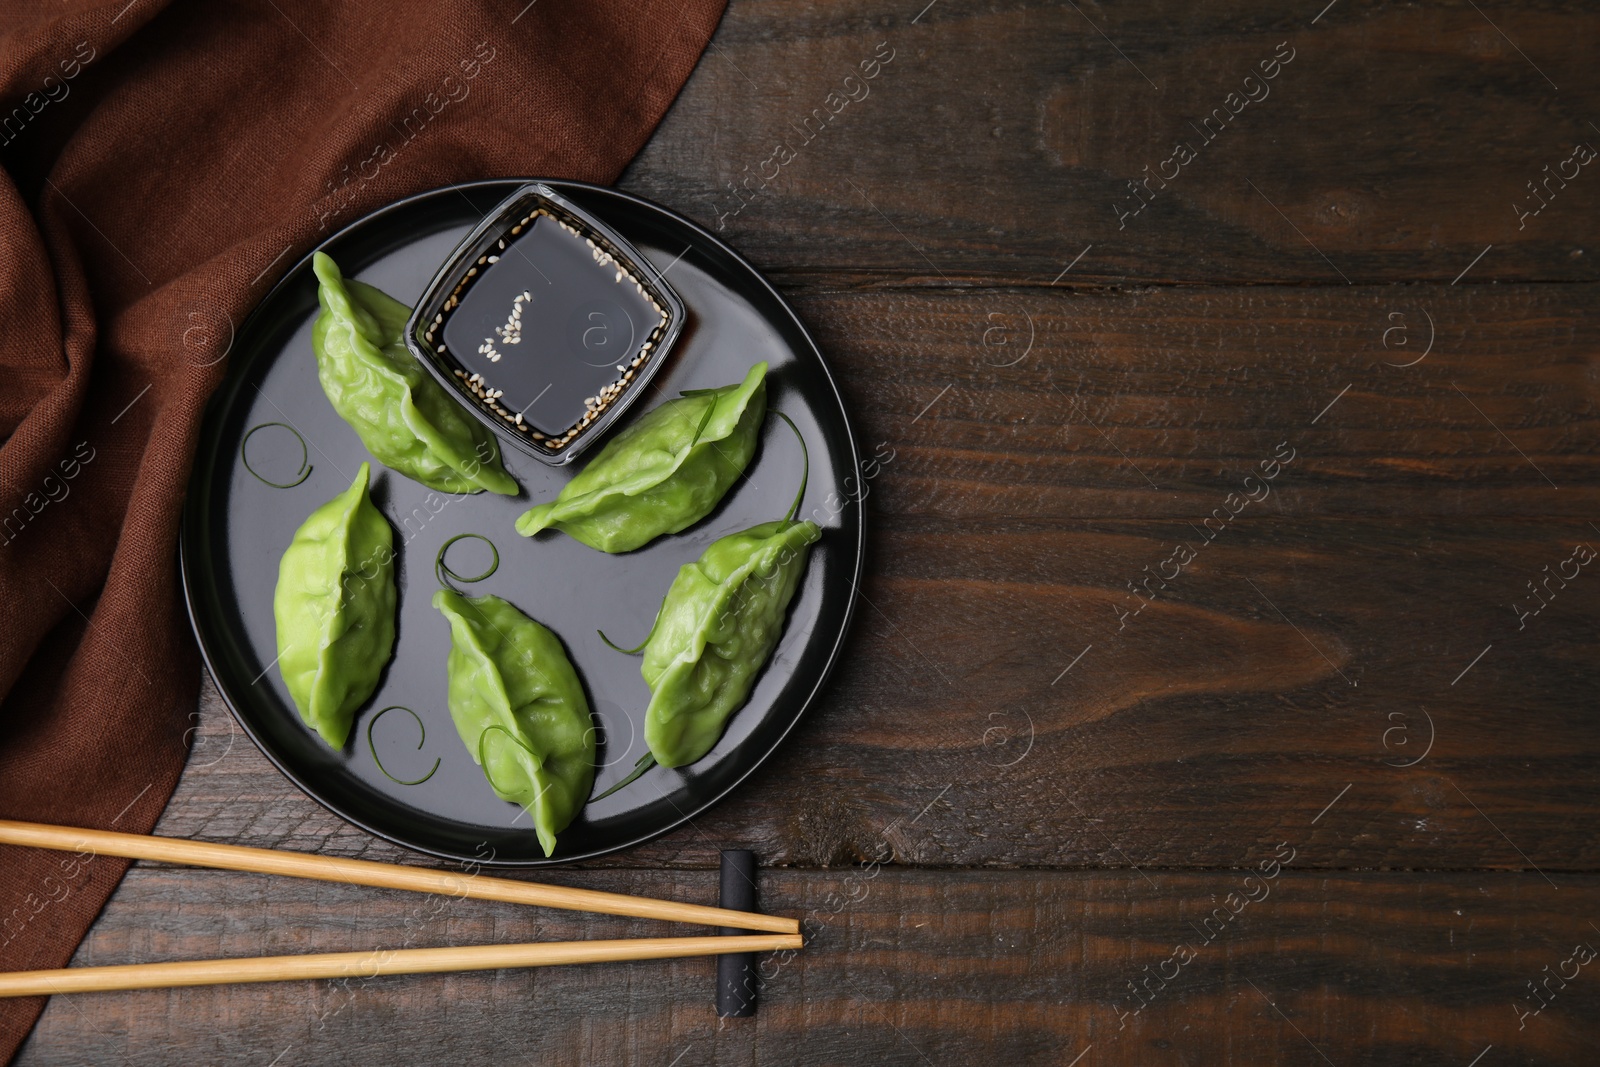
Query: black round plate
236	528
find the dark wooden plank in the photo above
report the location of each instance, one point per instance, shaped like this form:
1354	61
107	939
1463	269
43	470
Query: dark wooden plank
904	967
1307	647
1340	667
1001	138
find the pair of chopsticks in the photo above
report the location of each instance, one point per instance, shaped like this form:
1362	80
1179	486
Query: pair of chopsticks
782	933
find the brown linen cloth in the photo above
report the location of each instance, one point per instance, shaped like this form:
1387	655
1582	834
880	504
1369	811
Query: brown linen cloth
165	162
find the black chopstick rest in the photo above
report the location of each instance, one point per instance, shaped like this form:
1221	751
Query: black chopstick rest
736	972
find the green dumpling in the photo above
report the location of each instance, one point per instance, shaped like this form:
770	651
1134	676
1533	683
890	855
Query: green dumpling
335	606
717	627
404	417
664	473
520	709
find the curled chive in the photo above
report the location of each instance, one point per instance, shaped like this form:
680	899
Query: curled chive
640	646
442	571
646	761
805	469
304	470
705	420
374	722
483	756
634	651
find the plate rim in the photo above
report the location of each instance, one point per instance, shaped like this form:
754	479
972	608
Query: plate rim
189	536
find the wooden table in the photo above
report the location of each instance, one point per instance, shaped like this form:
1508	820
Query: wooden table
1224	685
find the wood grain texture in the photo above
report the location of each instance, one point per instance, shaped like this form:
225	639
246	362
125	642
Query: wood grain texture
1001	139
1055	767
903	967
1308	645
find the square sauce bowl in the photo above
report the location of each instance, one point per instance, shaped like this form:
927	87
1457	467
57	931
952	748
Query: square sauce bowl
546	324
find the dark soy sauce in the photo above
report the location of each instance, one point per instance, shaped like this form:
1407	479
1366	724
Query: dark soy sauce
548	326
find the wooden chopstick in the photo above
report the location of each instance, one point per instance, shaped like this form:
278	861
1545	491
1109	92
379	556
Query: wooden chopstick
374	963
388	876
